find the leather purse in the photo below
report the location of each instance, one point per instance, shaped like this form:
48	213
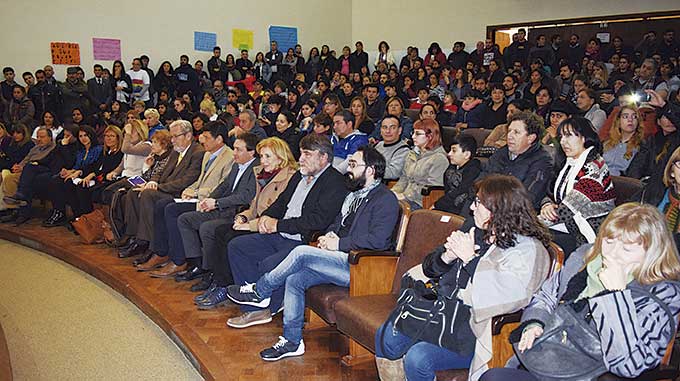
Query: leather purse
570	346
90	227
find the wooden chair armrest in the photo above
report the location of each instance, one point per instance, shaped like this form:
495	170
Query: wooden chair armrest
371	272
431	188
501	320
356	255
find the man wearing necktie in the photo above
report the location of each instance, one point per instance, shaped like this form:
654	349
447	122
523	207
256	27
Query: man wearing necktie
99	89
167	240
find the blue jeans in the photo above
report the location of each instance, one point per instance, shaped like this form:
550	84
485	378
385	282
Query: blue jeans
304	267
253	255
422	359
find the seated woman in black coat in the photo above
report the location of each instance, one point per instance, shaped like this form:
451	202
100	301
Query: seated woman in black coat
90	189
18	147
88	158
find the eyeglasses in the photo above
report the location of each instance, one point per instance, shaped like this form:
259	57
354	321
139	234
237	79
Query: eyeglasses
677	164
477	202
179	135
353	164
629	116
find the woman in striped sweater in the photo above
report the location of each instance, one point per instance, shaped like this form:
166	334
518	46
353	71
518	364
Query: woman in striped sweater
633	249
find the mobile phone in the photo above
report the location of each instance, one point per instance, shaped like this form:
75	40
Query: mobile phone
136	181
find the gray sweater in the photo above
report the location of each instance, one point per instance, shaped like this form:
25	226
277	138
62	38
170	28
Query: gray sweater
395	155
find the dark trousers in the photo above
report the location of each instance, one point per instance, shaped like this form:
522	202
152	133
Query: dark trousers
170	237
253	255
34	179
198	230
216	253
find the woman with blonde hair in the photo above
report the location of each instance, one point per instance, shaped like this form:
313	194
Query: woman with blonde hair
209	109
424	165
625	137
623	288
277	166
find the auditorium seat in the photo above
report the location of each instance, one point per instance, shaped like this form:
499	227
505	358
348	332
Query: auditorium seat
627	189
448	135
479	134
412	114
431	194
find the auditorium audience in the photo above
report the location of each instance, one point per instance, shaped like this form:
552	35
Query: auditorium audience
546	103
366	221
626	281
310	202
497	266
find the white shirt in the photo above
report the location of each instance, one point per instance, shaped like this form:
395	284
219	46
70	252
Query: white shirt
241	170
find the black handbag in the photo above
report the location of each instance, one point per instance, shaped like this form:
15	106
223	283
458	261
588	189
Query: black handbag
424	314
570	347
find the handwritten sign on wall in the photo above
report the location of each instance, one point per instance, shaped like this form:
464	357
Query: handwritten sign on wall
106	49
65	53
242	39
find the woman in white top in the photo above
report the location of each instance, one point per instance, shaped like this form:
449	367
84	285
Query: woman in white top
384	54
49	121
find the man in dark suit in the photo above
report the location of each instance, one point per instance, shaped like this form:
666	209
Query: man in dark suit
183	169
309	204
193	229
99	89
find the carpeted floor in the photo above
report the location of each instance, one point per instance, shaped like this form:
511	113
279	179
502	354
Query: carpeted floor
62	324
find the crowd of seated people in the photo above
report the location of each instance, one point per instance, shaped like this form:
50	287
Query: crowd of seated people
254	180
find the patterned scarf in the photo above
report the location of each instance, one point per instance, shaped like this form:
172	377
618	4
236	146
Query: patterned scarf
354	199
672	211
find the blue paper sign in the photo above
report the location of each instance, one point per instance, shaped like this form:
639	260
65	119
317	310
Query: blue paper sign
285	36
205	42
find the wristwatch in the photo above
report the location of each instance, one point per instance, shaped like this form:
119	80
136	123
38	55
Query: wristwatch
217	204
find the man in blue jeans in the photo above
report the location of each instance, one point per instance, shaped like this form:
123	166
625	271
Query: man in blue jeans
366	221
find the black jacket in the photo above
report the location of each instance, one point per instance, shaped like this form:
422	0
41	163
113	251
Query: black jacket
534	168
457	186
242	194
322	204
357	61
100	94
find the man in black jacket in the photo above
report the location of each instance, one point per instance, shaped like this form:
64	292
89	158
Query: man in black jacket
217	69
187	79
99	89
358	59
524	157
309	204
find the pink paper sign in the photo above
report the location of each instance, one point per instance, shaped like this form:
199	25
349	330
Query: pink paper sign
106	49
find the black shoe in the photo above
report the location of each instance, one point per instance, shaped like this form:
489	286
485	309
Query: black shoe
10	217
138	247
214	299
143	259
21	219
190	274
247	295
17	200
204	284
283	348
58	218
123	242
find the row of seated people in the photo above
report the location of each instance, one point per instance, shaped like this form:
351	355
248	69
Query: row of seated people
204	228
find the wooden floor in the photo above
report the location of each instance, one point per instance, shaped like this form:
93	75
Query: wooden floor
5	363
217	351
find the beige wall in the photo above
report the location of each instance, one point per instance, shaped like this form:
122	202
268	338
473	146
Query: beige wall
161	29
445	21
164	29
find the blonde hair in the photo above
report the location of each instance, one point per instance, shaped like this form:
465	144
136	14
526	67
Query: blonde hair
208	105
280	149
152	112
642	223
615	133
668	177
140	128
119	136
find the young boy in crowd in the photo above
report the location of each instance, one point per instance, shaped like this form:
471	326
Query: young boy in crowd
459	177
